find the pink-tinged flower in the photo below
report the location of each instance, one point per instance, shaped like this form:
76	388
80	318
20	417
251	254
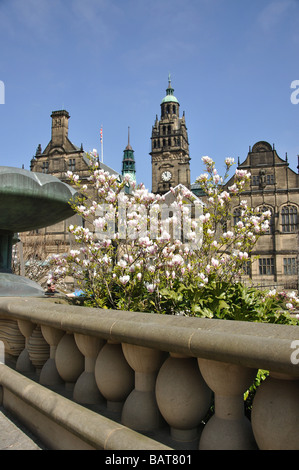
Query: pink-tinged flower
202	178
207	161
229	161
240	174
233	189
216	179
243	255
139	276
204	218
265	226
145	242
289	306
124	280
215	262
224	195
228	234
122	263
177	260
150	288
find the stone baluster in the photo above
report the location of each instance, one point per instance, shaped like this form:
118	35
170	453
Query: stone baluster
182	396
38	349
13	339
275	413
113	375
49	375
228	428
140	411
23	363
86	390
69	361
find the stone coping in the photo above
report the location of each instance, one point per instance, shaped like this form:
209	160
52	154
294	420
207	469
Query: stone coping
256	345
95	430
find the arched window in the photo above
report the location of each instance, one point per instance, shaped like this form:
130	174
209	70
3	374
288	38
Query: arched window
289	219
271	220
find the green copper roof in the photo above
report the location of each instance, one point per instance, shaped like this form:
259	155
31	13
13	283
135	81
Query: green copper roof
169	98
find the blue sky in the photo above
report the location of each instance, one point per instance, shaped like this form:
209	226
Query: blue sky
107	62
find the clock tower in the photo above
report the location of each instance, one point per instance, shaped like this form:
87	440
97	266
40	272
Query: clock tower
170	146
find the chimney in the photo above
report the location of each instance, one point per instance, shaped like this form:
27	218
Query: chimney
59	127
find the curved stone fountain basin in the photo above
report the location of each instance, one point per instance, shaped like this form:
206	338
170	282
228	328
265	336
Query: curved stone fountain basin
28	201
31	200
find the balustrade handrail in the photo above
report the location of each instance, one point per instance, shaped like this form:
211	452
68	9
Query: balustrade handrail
256	345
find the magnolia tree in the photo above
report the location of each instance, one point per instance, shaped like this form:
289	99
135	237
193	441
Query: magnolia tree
145	255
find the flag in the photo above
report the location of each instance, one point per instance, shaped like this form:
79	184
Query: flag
101	134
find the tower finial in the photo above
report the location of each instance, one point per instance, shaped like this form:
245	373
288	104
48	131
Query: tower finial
169	80
128	147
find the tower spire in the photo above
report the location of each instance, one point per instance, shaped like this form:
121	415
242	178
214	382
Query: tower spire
169	89
128	147
128	162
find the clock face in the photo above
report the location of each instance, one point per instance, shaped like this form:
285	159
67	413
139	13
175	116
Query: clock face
166	176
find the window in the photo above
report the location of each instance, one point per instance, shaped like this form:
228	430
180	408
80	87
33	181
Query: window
237	215
45	168
270	179
266	266
255	180
289	219
271	220
72	164
289	266
247	268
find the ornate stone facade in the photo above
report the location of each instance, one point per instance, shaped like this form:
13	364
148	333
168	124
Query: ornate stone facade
274	186
59	156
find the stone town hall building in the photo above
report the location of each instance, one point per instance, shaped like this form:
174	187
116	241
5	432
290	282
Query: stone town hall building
274	185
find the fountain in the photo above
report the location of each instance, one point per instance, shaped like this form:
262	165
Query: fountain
28	201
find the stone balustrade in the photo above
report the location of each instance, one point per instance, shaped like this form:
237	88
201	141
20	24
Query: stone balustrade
105	379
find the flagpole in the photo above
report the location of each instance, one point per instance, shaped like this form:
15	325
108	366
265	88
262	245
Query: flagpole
102	153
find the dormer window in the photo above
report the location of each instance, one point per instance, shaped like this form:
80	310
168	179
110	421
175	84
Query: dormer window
45	167
72	164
